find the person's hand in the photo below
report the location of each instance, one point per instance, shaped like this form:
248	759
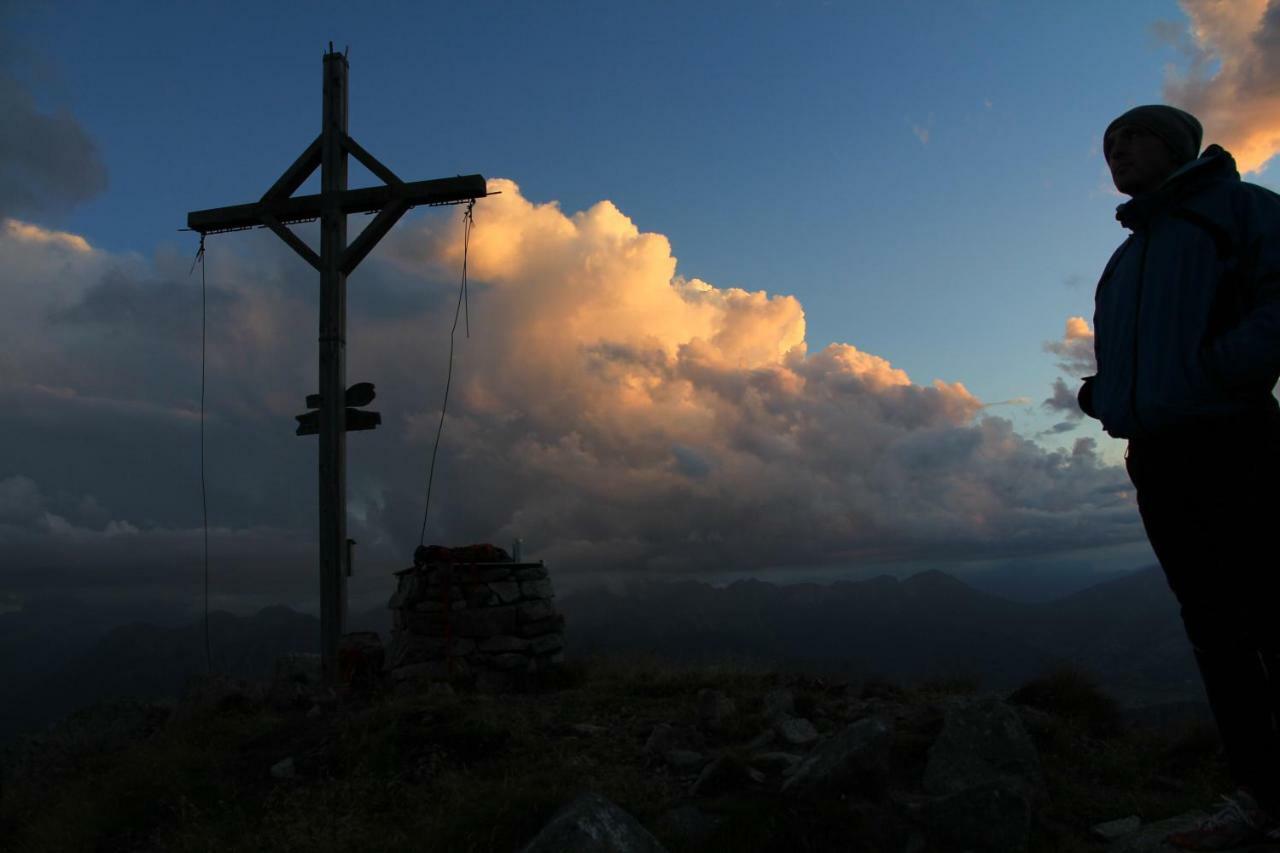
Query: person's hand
1085	396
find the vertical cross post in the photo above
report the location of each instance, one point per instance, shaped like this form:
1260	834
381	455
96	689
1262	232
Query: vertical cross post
333	363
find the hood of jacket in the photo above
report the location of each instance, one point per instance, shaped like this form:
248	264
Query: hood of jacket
1214	166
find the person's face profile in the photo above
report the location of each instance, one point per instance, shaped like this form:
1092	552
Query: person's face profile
1139	160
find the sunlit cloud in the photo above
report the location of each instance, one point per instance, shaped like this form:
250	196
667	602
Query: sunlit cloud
614	414
1231	81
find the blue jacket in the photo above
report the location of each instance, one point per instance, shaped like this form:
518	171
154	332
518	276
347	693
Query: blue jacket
1187	312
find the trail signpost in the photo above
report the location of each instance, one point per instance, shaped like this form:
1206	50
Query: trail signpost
336	405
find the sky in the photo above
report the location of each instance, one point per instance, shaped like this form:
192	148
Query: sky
789	290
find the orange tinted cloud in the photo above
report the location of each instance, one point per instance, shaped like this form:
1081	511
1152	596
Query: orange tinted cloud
1232	83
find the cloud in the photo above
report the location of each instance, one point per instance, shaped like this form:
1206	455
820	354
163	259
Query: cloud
1063	400
613	414
1232	79
1077	360
1075	349
922	131
48	162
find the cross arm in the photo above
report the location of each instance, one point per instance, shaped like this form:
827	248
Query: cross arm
303	208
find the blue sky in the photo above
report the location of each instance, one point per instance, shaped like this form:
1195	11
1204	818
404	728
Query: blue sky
922	180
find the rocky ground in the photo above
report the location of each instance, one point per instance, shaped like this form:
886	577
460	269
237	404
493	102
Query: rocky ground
614	756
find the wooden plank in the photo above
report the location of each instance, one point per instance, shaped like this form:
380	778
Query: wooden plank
295	242
366	200
372	233
355	420
370	162
296	175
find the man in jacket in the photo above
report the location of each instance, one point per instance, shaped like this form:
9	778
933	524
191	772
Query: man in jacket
1187	339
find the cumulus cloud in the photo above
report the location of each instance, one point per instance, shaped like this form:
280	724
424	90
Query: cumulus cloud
1077	359
615	415
1232	79
1075	349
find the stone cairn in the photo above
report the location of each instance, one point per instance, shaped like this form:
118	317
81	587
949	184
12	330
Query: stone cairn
473	615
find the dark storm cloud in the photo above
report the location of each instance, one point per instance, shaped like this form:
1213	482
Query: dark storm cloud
48	163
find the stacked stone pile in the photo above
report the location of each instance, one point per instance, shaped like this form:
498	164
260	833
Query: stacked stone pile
489	622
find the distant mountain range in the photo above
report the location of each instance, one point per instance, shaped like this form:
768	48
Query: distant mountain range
1126	631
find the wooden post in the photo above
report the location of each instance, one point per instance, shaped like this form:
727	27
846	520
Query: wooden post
333	363
277	209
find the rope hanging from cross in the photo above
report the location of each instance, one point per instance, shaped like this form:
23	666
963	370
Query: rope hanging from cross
336	406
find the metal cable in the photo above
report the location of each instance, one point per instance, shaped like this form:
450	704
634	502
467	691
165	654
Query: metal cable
204	501
468	217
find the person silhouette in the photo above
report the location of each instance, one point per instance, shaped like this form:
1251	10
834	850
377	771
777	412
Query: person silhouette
1187	339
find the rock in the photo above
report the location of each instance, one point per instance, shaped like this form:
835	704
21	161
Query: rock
983	741
714	708
284	769
593	824
776	761
315	711
779	702
688	822
503	643
536	589
859	753
990	817
1113	829
493	615
1150	838
588	729
725	774
796	732
684	759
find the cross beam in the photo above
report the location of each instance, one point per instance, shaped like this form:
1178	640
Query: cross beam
277	209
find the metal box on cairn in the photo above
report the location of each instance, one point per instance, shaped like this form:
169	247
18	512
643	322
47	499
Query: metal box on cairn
476	615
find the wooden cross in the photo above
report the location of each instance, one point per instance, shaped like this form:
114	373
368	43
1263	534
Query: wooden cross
276	210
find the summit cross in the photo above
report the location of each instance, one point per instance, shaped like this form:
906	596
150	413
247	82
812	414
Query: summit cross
277	209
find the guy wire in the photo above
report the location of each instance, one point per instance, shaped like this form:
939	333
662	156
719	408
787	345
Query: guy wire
468	217
204	503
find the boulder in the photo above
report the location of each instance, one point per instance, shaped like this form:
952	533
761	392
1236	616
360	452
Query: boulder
725	774
990	817
983	741
859	755
593	824
797	732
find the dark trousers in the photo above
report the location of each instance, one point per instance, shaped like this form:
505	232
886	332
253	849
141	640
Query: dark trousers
1210	503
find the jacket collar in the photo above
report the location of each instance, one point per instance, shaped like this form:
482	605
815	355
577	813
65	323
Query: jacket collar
1213	166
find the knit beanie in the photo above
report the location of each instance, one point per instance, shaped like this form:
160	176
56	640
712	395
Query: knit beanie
1180	130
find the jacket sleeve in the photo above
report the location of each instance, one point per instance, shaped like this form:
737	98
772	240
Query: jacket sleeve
1248	354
